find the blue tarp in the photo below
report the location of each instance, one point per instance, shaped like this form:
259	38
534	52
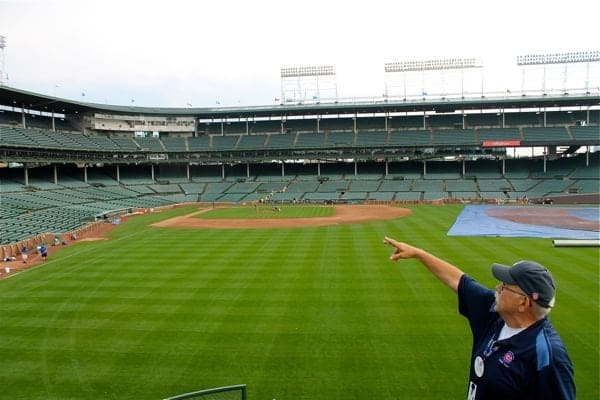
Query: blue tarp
475	221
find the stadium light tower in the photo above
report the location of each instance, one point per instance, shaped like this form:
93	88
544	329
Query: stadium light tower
559	58
2	72
422	66
307	83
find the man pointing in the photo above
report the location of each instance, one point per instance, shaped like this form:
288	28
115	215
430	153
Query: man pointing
517	353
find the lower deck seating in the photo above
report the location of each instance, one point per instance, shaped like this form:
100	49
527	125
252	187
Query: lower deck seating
44	206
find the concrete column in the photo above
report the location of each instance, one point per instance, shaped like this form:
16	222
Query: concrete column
85	173
545	160
55	175
247	170
545	117
118	174
587	156
26	175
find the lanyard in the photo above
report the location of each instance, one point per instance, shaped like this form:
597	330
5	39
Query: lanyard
479	362
489	349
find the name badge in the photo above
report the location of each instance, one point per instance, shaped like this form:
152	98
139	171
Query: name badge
478	366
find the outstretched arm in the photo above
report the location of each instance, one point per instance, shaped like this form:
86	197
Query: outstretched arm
444	271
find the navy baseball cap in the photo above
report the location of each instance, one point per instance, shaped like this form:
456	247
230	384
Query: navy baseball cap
533	278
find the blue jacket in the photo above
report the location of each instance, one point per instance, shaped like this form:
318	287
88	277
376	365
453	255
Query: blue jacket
533	364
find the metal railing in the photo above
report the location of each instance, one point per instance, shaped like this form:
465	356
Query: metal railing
207	392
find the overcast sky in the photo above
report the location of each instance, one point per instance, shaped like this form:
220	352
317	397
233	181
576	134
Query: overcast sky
173	53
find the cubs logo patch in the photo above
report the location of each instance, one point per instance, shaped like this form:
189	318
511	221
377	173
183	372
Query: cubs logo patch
508	358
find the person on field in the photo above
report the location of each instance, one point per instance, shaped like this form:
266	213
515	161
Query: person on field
24	255
44	252
516	353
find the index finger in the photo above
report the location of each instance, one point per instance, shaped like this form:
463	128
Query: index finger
389	240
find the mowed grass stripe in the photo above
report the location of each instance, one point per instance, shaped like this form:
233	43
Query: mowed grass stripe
308	313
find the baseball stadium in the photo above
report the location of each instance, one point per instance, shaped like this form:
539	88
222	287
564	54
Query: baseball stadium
237	252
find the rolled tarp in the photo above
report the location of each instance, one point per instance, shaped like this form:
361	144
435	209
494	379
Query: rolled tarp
576	243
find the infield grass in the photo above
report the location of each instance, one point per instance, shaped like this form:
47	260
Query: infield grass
304	313
268	212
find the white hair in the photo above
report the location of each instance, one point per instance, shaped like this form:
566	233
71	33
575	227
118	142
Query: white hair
539	311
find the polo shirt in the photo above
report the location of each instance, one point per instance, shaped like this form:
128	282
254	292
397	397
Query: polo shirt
533	364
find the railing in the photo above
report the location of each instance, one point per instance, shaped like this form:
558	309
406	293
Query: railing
208	392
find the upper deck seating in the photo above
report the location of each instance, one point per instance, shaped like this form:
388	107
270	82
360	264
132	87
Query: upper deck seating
545	134
310	140
586	133
278	141
178	144
149	144
339	139
224	142
252	142
499	134
410	138
369	139
125	143
454	137
199	143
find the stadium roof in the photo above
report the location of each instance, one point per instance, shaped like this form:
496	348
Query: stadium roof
12	97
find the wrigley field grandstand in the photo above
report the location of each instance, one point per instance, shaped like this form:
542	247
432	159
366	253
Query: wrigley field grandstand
219	247
67	163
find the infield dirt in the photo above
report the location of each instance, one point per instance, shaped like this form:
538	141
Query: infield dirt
343	214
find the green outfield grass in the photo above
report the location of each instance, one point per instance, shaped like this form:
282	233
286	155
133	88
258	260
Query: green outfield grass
265	211
306	313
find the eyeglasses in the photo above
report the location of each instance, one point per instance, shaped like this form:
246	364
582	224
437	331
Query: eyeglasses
504	287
